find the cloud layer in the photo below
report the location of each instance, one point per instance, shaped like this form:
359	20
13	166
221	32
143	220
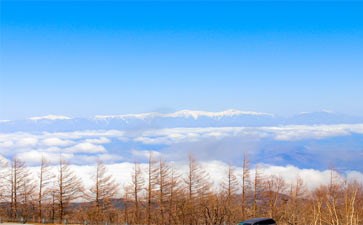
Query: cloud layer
307	146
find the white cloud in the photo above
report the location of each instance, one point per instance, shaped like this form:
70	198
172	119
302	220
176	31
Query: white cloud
144	154
54	141
86	134
19	140
312	178
178	135
355	176
209	141
217	171
101	140
300	132
285	133
6	144
91	159
85	147
27	141
34	156
3	160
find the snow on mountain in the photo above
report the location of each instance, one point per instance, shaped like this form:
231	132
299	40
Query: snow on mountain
182	118
227	113
140	116
50	117
195	114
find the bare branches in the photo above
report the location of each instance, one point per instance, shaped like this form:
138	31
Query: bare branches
69	188
161	193
246	184
198	189
21	188
44	177
101	194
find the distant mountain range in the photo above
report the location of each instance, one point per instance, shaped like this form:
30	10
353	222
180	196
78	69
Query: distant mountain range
183	118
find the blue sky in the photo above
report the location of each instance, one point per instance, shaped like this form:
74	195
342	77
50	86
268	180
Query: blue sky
86	58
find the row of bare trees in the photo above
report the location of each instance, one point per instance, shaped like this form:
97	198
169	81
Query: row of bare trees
159	194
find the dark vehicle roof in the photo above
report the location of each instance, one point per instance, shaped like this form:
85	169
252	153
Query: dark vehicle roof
257	220
254	220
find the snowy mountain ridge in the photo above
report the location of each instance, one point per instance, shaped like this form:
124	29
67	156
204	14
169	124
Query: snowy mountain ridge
195	114
182	118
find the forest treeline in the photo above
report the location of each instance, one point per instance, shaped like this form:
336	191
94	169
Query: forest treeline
159	195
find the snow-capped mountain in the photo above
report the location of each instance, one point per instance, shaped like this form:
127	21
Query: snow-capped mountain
183	118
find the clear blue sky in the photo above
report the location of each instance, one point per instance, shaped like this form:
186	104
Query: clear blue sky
86	58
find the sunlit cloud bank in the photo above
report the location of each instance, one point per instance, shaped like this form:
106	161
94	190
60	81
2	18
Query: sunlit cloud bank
305	146
216	172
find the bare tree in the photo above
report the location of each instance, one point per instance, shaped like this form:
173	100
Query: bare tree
168	199
175	195
167	191
257	189
44	178
198	187
21	188
162	183
334	196
152	175
126	199
273	188
102	192
295	209
3	179
69	188
230	188
4	182
246	184
137	185
351	206
318	196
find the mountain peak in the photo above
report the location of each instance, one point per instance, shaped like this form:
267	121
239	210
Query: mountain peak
195	114
227	113
50	117
141	116
323	111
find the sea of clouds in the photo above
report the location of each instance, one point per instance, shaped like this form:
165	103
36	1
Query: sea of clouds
289	150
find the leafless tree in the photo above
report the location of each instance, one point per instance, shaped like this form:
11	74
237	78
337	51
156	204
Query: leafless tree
257	189
44	180
198	187
274	187
3	179
175	195
4	182
294	213
104	189
69	188
172	198
21	187
152	176
136	187
246	184
230	189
